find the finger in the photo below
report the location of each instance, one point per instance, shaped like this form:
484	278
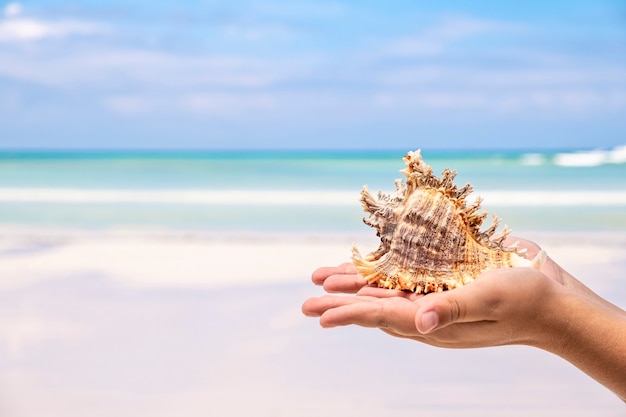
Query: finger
316	306
373	291
394	315
549	267
344	283
532	249
320	274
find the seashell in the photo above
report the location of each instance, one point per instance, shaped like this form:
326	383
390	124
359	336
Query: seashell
430	237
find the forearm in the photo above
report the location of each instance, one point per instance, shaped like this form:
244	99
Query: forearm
590	334
569	281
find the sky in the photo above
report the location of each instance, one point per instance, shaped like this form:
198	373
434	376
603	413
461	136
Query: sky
247	74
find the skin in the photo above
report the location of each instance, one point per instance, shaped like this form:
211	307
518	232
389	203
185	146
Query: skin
548	309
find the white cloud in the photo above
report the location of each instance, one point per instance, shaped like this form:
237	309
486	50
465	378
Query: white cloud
458	27
435	39
258	32
445	80
104	68
12	9
537	75
300	9
132	80
227	103
130	105
546	100
15	28
24	29
565	87
432	100
207	103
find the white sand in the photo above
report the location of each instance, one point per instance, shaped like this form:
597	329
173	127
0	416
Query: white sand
157	323
166	259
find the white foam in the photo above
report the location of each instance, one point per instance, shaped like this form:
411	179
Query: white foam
198	197
521	198
581	159
533	159
554	198
617	155
591	158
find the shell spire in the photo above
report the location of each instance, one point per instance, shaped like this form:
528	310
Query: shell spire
430	237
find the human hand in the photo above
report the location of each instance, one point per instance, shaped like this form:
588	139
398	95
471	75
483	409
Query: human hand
503	306
500	307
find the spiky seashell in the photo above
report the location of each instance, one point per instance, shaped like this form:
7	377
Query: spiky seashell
430	237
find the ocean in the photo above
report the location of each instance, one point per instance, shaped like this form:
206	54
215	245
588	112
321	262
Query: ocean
286	191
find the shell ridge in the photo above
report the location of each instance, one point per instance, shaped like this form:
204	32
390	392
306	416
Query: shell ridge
430	236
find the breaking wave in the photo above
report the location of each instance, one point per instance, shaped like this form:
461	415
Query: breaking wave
591	158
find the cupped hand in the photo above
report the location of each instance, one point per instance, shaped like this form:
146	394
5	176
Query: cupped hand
499	307
503	306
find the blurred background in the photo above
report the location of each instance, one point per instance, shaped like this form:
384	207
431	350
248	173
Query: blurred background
172	172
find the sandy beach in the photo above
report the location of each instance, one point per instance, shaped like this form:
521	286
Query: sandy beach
161	323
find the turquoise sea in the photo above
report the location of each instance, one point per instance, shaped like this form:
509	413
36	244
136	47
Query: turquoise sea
296	191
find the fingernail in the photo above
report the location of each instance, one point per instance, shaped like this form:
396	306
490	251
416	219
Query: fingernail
430	320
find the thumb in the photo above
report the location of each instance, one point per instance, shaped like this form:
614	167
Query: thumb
427	321
438	312
463	304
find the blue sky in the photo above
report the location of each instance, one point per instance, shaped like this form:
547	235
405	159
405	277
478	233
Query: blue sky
312	74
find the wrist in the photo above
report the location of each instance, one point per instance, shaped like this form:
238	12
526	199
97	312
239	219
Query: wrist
556	319
587	333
